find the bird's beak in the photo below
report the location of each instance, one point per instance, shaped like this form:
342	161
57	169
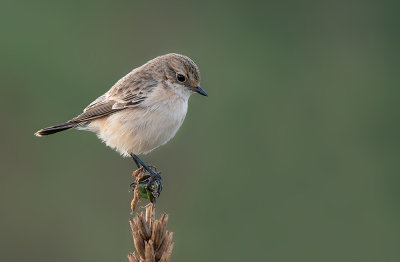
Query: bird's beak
199	90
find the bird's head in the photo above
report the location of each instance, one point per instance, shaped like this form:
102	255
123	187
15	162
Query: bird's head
181	72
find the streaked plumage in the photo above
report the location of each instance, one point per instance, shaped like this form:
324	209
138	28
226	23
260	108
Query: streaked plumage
144	109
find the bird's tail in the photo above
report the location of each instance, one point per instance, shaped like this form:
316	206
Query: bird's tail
55	129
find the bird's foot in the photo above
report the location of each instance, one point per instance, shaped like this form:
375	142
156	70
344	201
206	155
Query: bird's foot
151	179
154	185
148	183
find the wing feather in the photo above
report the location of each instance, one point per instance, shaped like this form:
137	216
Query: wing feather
129	92
95	111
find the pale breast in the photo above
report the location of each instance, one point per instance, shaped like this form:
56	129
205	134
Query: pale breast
141	130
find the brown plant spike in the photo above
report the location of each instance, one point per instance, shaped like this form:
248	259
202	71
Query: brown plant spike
153	242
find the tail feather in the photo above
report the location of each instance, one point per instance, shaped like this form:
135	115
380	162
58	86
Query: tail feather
55	129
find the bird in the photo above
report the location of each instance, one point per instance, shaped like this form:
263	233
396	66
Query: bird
143	110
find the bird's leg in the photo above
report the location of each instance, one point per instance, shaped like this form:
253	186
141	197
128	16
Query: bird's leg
141	163
154	179
136	159
138	166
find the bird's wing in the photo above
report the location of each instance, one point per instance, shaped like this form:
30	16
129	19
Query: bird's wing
126	93
95	111
131	91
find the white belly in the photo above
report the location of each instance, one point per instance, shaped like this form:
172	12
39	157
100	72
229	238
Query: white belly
139	131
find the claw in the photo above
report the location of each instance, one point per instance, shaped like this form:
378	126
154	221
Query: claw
148	184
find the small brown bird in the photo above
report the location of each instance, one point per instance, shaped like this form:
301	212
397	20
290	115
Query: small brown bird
143	110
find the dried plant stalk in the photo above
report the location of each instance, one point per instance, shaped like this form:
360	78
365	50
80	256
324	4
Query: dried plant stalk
138	174
153	242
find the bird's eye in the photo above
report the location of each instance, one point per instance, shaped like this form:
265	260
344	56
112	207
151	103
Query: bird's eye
181	78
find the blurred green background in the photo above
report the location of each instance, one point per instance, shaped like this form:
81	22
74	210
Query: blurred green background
294	156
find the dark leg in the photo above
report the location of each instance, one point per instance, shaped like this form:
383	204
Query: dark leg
137	164
141	163
136	159
155	178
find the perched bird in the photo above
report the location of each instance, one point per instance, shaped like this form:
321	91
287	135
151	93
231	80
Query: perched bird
143	110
